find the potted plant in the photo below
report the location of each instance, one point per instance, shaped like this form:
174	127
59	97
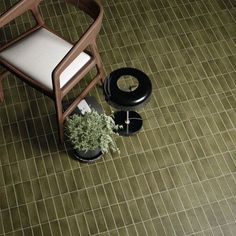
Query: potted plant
91	134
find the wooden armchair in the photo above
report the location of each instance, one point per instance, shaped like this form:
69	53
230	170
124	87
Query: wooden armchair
49	63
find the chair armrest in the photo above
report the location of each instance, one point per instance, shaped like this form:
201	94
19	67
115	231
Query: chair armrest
18	9
87	39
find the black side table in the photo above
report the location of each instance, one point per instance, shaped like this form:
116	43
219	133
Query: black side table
127	100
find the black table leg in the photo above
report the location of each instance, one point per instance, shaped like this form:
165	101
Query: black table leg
131	122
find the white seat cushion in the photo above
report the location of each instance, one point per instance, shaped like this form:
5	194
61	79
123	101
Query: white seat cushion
38	54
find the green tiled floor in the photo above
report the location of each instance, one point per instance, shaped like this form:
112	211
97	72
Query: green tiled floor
177	176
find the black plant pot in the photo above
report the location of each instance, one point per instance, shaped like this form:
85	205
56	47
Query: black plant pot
90	156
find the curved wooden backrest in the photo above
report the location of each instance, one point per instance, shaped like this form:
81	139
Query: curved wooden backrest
95	10
18	9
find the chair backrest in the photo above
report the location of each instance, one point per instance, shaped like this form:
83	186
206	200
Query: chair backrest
95	10
18	9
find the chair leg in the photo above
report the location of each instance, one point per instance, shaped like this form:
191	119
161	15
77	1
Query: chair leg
60	121
61	132
1	92
99	64
2	75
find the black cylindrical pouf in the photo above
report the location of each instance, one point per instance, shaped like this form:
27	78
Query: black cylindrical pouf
127	101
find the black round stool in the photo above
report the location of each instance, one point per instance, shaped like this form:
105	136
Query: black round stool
127	100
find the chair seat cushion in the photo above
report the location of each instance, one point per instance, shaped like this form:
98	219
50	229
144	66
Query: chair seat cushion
39	53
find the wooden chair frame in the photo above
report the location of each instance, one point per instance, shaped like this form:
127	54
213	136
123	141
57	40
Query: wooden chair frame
87	41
